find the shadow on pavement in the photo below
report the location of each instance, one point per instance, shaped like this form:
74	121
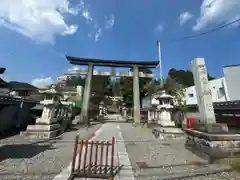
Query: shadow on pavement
18	151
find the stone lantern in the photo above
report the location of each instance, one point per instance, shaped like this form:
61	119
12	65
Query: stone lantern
164	108
124	110
101	108
46	126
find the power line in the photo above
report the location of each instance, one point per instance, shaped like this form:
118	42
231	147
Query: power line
202	33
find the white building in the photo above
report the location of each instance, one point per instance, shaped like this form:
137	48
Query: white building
63	80
218	90
232	75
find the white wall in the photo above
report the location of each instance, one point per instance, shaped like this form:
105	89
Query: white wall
218	92
231	74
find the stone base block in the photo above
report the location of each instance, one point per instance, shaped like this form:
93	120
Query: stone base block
168	132
213	145
43	127
46	121
212	128
166	123
41	134
171	130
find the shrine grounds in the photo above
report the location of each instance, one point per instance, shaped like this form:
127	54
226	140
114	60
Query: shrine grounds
141	154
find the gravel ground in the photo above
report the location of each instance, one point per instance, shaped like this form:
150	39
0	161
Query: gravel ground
21	158
167	158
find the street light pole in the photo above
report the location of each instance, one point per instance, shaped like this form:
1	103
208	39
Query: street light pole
160	64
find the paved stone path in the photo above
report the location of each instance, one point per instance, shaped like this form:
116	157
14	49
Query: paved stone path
105	133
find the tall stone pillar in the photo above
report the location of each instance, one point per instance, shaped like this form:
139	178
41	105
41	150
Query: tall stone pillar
203	92
204	99
136	95
86	95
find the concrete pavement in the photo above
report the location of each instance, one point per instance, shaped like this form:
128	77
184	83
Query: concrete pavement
105	133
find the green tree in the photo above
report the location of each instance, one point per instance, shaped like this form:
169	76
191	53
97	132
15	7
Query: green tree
126	87
175	89
184	77
100	88
115	87
79	81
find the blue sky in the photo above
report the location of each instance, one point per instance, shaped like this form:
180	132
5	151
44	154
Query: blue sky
36	35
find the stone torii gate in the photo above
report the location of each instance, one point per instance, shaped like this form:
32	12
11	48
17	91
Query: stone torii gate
136	65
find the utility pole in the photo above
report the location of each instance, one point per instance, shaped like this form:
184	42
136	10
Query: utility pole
160	64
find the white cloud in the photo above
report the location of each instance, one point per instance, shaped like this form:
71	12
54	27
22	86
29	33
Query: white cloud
38	19
159	28
42	82
74	68
70	30
98	34
100	29
87	16
184	17
110	22
216	12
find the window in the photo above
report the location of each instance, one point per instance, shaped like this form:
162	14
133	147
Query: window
190	95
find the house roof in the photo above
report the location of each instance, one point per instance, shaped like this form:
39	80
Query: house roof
232	65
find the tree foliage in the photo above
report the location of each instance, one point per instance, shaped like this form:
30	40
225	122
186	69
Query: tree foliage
184	77
126	87
100	88
79	81
115	87
175	89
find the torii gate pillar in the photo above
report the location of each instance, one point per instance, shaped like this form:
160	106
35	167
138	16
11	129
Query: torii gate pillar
136	95
86	95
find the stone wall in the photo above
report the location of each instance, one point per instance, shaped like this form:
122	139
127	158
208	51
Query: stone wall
215	149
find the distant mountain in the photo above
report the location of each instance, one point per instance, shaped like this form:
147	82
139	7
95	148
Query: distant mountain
20	85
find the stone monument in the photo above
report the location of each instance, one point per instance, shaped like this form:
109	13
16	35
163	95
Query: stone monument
205	105
209	137
46	126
